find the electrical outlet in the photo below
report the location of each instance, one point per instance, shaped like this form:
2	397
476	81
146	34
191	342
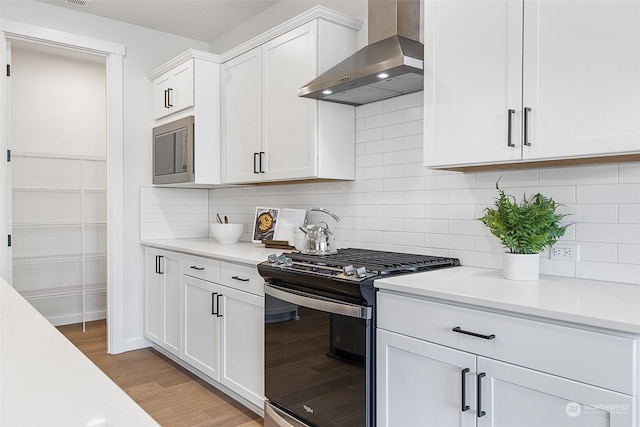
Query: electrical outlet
565	251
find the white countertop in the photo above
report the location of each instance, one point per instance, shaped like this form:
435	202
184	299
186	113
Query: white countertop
46	381
607	305
241	252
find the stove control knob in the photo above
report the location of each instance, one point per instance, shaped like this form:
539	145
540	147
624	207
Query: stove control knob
282	259
348	270
288	262
272	258
361	272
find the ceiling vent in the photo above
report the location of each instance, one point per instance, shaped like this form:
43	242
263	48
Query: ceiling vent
81	3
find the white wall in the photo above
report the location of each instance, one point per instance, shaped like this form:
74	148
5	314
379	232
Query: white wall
397	204
145	50
287	9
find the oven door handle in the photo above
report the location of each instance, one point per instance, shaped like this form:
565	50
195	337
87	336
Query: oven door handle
317	302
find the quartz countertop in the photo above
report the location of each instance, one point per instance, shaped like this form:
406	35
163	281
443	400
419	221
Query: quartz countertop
46	381
242	252
608	305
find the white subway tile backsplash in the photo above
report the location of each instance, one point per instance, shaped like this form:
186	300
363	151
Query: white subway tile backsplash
580	175
630	214
618	193
395	203
608	233
629	172
629	254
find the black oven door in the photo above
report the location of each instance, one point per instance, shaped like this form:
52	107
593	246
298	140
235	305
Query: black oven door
317	363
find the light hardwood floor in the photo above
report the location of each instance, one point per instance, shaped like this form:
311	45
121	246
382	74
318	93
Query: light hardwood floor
169	393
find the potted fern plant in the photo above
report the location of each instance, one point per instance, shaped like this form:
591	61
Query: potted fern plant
525	229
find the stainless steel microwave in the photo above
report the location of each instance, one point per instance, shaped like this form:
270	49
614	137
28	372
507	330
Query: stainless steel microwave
173	152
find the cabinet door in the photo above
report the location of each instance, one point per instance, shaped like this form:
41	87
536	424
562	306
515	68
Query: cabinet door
420	383
160	95
473	54
242	323
515	396
174	90
153	298
201	326
289	133
163	299
172	301
581	68
242	119
182	87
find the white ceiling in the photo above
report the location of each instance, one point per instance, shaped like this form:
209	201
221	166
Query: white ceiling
203	20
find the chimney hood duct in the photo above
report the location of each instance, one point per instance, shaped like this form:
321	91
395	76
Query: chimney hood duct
390	65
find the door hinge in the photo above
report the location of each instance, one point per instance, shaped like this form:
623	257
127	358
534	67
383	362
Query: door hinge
8	155
9	240
8	70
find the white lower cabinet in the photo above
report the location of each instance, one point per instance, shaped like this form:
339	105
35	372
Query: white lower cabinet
163	299
429	374
210	314
242	348
201	326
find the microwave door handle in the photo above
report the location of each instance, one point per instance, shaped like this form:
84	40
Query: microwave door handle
318	303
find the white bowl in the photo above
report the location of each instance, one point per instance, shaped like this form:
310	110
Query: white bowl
226	233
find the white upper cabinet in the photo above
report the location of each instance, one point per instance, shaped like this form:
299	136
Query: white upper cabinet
242	116
189	85
173	90
517	81
271	134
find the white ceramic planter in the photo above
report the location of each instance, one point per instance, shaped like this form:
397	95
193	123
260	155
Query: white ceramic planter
520	266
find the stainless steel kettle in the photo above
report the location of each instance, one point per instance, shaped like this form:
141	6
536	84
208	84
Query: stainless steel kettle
319	239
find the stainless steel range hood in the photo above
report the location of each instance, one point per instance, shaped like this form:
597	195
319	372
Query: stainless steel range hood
391	64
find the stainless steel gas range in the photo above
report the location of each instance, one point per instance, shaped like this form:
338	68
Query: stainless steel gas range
320	334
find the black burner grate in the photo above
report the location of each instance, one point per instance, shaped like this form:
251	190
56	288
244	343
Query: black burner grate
381	262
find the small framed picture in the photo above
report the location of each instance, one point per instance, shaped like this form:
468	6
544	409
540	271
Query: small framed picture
265	224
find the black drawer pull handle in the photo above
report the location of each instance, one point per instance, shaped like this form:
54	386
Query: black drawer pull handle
527	111
473	334
213	303
480	413
218	303
509	130
197	268
465	407
255	163
242	279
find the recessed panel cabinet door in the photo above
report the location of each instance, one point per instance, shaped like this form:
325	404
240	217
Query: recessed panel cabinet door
290	61
242	323
420	383
581	68
473	57
516	396
201	325
242	117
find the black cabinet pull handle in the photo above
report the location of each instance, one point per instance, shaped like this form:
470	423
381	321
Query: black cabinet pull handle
160	264
197	268
157	264
262	154
527	111
166	98
213	303
465	407
242	279
218	303
473	334
509	130
255	162
480	413
169	100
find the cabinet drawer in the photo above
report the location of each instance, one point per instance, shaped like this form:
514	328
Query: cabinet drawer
242	277
592	357
202	268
